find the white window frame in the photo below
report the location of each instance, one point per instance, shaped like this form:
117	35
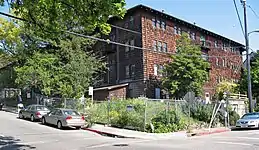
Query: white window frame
164	47
154	45
159	46
155	69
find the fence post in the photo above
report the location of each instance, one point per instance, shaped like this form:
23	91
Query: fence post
65	102
109	105
145	115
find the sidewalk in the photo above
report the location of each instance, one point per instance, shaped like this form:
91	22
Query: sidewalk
10	109
101	129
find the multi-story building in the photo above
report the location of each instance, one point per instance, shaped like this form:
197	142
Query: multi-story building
135	70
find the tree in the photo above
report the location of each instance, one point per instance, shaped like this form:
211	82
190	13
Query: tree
187	71
254	77
67	15
225	87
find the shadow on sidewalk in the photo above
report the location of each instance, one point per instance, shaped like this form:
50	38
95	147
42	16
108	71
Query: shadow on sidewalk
10	143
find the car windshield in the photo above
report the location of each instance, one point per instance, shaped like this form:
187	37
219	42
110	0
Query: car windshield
251	116
70	113
42	108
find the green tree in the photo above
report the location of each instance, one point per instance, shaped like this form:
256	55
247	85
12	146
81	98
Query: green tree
225	87
66	15
187	71
254	78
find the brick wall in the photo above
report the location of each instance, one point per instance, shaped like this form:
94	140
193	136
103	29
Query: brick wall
149	34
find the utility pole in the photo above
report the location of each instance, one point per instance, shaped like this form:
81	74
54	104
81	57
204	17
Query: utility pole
248	59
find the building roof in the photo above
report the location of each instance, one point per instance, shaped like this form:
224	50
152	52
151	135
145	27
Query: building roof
111	87
180	21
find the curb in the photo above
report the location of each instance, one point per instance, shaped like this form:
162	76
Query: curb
212	132
106	133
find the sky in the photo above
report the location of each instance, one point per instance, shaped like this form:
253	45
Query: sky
218	16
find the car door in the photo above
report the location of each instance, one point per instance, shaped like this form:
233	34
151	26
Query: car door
25	112
58	116
50	117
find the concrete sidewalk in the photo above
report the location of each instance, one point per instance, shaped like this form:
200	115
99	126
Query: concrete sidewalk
10	109
101	129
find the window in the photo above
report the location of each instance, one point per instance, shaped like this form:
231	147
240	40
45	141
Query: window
216	44
131	20
132	43
179	32
158	23
217	61
155	69
223	62
175	30
163	26
127	47
160	70
132	68
189	33
224	46
205	56
154	45
154	23
159	46
193	36
127	72
202	40
164	47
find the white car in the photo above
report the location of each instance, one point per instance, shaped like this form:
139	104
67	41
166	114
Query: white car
249	120
64	118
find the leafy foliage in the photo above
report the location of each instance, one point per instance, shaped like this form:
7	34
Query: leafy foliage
187	71
58	16
225	87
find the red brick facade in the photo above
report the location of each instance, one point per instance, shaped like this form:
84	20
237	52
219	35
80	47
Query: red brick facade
225	67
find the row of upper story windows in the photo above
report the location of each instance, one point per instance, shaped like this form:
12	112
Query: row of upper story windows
161	24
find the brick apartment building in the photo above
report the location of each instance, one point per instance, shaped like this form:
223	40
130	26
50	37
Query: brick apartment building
134	72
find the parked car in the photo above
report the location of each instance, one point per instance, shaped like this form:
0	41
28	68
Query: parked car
64	118
249	120
34	112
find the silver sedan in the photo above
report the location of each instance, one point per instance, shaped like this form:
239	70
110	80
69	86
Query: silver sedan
34	112
64	118
249	120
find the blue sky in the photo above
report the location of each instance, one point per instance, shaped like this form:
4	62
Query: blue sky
218	16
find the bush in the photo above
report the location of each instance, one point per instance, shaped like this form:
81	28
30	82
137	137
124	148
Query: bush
233	117
115	113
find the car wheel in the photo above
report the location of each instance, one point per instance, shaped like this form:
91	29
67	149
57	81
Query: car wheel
59	125
43	121
20	115
78	128
32	118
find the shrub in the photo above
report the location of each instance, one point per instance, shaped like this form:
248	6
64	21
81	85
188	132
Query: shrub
233	117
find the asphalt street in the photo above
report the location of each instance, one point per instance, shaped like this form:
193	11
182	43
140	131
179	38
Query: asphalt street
17	134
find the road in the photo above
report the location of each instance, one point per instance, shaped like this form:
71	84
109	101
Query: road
17	134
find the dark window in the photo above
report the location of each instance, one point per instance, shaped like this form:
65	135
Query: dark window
127	71
175	30
154	23
132	68
164	47
163	25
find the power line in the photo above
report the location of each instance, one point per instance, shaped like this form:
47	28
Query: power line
239	17
125	45
257	16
